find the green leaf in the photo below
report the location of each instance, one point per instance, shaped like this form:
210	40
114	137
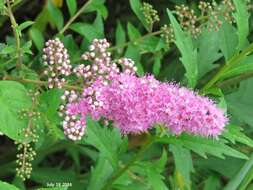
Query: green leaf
242	21
90	31
154	170
234	134
102	171
242	110
72	6
133	32
106	140
24	25
202	146
157	64
7	186
7	49
99	25
245	66
208	46
136	6
228	40
13	98
212	183
37	37
120	34
55	15
239	177
183	162
189	53
27	47
98	5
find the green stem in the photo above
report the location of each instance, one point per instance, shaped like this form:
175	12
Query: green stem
44	83
122	170
233	61
135	40
73	18
16	34
235	79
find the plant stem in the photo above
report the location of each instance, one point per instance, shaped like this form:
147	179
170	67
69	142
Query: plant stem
235	79
122	170
135	40
14	26
44	83
73	18
233	61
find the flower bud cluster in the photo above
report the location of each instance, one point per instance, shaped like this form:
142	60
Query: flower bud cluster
167	33
56	60
188	20
101	65
214	12
150	14
26	152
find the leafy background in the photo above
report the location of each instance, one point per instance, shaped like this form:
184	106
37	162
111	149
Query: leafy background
216	63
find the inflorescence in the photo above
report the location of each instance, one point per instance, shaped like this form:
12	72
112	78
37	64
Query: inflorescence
113	92
56	60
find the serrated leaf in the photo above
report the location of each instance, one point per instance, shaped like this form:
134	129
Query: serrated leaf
241	16
13	98
102	171
154	170
183	162
72	6
242	110
234	134
208	45
106	140
189	53
136	6
7	186
202	146
228	40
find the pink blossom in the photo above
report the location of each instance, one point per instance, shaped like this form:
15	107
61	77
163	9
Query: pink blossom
136	104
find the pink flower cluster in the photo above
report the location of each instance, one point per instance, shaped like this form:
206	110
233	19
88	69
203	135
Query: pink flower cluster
113	92
136	104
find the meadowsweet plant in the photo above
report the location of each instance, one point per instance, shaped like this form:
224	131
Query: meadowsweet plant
121	95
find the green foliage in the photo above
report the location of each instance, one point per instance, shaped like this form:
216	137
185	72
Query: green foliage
187	50
183	162
6	186
242	20
202	146
13	98
72	6
217	62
